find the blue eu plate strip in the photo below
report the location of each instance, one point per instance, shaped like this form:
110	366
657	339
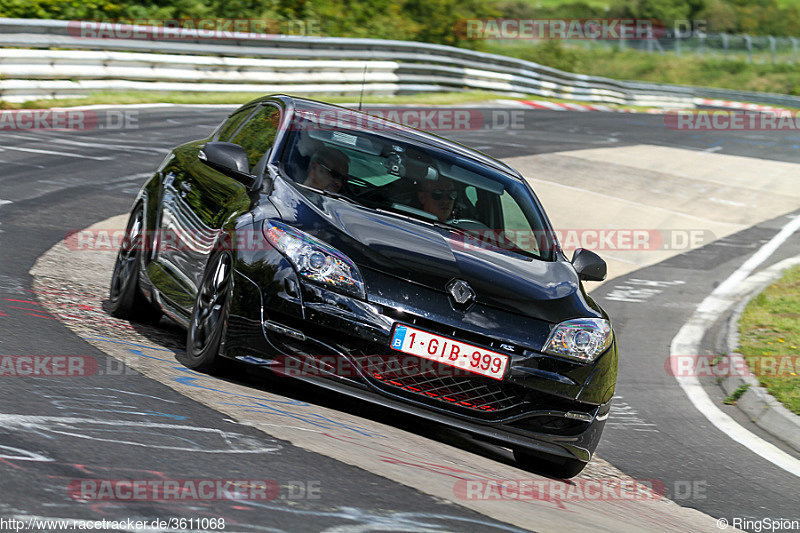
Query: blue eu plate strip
399	337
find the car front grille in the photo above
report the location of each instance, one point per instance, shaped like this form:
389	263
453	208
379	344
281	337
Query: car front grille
441	384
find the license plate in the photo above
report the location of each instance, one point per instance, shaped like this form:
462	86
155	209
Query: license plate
449	352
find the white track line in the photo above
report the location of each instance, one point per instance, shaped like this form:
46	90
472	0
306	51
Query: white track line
51	152
688	339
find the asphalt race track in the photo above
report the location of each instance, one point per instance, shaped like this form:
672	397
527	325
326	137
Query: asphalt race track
149	419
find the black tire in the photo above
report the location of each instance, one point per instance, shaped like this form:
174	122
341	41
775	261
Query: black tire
549	465
125	299
210	315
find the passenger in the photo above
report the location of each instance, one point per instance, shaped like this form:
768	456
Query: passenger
438	197
327	169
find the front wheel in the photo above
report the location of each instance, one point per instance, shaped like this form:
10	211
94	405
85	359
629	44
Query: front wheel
559	467
210	315
125	298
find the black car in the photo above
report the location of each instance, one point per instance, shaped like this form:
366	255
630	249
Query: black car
382	262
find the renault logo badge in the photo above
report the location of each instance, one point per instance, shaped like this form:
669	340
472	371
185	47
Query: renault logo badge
460	291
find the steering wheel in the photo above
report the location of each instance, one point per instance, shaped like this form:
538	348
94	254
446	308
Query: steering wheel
467	223
357	181
361	188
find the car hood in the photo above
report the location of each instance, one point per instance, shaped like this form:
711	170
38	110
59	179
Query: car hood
432	256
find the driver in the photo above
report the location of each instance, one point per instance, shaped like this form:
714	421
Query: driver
327	169
438	197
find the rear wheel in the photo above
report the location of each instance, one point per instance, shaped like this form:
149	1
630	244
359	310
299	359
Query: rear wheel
559	467
210	315
125	298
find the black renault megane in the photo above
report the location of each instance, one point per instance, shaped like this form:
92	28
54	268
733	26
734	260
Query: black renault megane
382	262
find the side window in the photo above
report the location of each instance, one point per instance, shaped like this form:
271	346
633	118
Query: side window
513	217
516	225
257	136
232	124
472	195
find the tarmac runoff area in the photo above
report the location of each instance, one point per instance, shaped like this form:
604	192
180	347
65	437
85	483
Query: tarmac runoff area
646	188
678	199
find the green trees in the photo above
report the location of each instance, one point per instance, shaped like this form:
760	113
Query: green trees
434	21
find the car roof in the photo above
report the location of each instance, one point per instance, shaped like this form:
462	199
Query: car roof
408	133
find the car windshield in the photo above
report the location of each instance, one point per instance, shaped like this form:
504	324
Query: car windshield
367	164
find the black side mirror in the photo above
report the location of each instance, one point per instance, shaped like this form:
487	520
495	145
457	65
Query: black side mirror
230	159
589	265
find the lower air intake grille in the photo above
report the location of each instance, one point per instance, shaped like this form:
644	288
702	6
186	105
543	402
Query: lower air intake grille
443	383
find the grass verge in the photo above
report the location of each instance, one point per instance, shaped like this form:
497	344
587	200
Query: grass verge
769	338
733	397
687	69
151	97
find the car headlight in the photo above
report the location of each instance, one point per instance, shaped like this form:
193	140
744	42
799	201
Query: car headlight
581	338
314	259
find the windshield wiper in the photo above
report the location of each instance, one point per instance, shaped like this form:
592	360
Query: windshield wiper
512	248
448	227
418	218
403	214
331	194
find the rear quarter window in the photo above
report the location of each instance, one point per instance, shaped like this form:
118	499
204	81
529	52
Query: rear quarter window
258	134
231	125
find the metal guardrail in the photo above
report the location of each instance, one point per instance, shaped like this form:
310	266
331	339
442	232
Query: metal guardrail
45	59
779	100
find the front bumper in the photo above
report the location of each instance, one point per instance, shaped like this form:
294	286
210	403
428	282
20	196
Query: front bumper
305	331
